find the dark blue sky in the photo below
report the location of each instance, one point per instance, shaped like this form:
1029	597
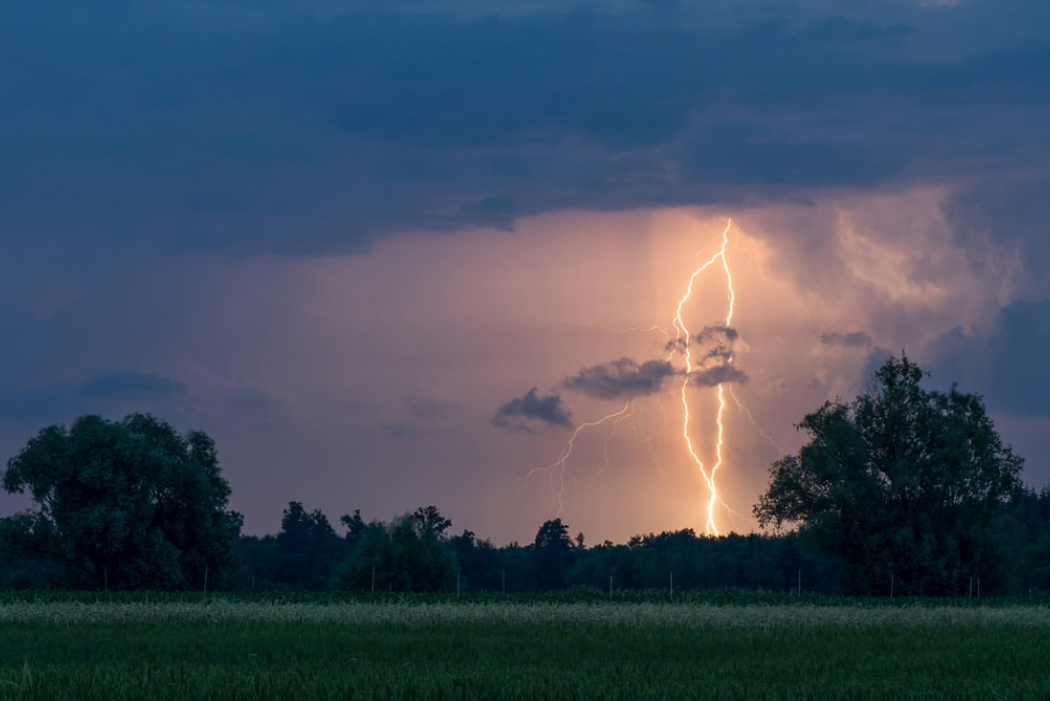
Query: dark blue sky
240	215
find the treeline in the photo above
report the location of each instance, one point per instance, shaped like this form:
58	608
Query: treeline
418	552
135	504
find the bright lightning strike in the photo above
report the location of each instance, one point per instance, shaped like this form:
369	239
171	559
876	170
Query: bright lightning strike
682	341
558	471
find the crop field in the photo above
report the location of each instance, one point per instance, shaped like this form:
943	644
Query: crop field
179	647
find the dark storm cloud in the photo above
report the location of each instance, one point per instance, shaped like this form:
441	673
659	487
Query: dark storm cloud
714	357
718	374
717	334
130	385
716	345
58	402
284	127
853	339
621	379
1008	365
549	410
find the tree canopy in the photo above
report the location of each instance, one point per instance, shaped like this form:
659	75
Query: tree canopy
122	504
901	485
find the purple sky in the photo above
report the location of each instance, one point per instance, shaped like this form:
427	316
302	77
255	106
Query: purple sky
347	238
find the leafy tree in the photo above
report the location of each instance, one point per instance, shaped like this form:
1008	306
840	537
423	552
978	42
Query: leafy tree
355	527
128	504
409	554
308	549
901	483
552	554
477	561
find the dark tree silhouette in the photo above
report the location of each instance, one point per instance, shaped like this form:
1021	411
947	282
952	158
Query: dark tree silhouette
552	554
128	504
900	484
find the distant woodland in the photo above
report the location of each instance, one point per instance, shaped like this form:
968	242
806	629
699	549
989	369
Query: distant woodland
418	552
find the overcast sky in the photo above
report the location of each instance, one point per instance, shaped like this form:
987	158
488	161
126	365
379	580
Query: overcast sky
397	253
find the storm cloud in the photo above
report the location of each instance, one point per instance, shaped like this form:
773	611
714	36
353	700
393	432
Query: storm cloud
213	127
621	379
515	414
97	394
715	375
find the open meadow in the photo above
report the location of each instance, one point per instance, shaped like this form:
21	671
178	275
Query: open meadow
181	647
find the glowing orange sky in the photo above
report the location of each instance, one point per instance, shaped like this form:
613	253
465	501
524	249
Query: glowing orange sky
456	326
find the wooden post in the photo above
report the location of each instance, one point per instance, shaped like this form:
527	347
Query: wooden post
457	584
610	585
373	579
800	581
205	577
504	581
891	585
969	593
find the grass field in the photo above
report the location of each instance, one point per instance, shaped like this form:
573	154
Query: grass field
132	647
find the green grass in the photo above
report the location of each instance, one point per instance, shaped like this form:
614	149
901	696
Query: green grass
543	649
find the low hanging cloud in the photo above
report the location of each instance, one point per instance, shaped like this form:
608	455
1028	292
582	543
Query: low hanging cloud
714	357
59	401
530	407
853	339
622	379
130	385
715	375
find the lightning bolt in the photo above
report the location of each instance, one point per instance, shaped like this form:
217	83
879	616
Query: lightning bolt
682	342
655	328
559	468
754	422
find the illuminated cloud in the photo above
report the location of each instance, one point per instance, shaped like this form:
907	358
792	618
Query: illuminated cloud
621	379
549	410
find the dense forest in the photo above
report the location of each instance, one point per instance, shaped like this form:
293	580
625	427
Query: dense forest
418	552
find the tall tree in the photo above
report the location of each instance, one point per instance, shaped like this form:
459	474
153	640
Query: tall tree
409	554
552	554
308	549
128	504
901	484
